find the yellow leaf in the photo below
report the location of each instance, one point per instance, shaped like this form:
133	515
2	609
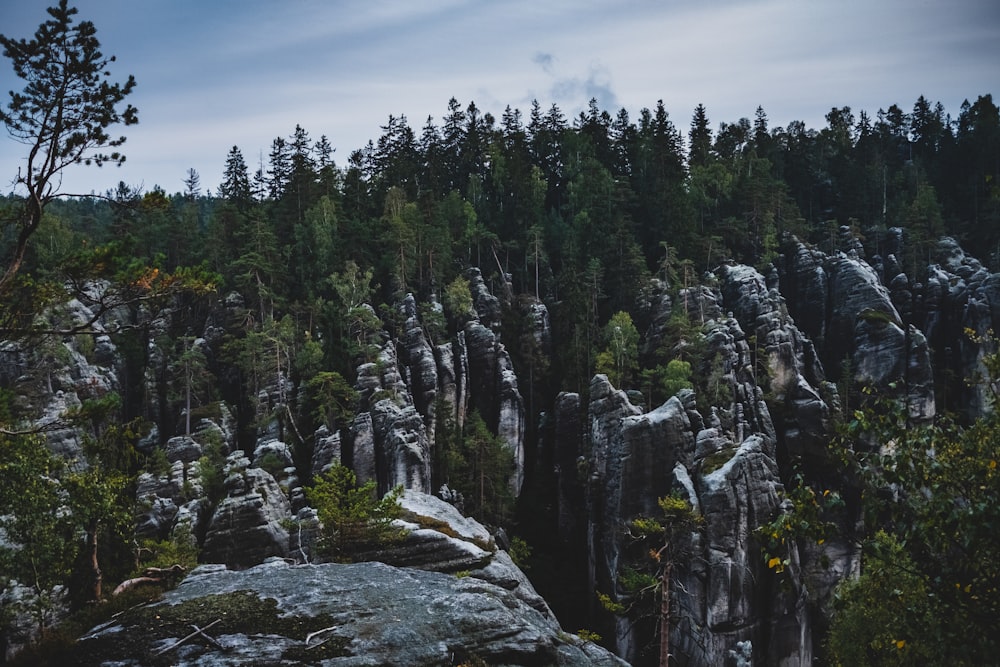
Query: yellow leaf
900	643
774	562
820	541
968	588
993	464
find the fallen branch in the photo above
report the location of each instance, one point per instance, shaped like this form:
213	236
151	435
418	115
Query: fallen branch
152	575
316	634
199	631
211	640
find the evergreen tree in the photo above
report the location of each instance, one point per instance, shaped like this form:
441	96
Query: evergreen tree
699	138
235	185
60	129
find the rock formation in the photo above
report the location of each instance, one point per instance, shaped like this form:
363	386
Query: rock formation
358	614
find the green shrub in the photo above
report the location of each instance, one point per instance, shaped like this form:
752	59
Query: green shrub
353	519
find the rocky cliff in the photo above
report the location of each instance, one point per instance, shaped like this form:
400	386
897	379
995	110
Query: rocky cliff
416	611
781	354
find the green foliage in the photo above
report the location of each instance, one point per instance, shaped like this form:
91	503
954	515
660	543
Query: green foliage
931	503
620	358
479	465
353	519
889	615
41	535
654	546
662	382
181	549
210	470
806	517
520	552
59	129
434	323
273	465
457	299
610	605
331	400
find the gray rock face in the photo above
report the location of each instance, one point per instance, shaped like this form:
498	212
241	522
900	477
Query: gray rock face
437	537
327	451
724	462
417	356
960	296
249	524
841	302
735	499
182	448
53	376
453	378
415	385
487	306
359	607
404	452
785	362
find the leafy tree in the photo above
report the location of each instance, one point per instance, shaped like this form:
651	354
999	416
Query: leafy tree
353	520
457	300
98	501
355	318
313	251
620	358
883	617
236	180
931	564
39	548
62	115
699	138
661	382
332	399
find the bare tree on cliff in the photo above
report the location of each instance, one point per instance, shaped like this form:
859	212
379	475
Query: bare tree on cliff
62	116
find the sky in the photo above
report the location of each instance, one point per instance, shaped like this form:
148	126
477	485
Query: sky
213	74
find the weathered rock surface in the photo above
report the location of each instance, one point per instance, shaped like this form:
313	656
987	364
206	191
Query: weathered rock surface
841	302
391	439
249	525
370	614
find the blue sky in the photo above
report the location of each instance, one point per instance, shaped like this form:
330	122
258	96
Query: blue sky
217	73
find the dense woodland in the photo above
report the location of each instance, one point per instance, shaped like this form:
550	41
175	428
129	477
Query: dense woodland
309	259
579	213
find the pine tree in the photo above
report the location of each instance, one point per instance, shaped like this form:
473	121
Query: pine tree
63	115
236	180
699	138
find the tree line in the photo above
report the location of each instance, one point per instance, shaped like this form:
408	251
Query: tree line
576	212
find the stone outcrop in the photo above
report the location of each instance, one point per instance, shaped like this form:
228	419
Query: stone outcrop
249	524
783	362
841	302
725	462
391	439
356	612
960	305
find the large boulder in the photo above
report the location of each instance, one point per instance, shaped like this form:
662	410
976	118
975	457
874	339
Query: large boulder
361	614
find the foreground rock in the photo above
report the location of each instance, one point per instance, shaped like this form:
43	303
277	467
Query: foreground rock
357	614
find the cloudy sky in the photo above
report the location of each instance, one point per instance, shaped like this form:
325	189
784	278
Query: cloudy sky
217	73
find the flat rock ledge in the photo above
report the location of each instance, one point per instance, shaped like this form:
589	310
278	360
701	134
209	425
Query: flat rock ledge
339	615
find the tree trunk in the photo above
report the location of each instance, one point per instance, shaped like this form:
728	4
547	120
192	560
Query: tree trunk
95	566
665	615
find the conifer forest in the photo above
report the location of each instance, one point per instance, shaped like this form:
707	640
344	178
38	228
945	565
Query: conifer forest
718	391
